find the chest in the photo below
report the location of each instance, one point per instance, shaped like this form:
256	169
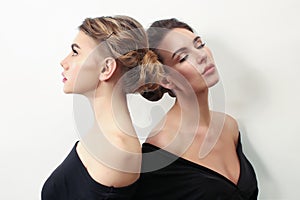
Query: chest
222	159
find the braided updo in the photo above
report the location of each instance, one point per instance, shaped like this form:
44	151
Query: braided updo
127	42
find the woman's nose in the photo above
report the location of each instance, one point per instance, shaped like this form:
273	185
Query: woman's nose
64	64
201	56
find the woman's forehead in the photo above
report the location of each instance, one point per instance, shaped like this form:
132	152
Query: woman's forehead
84	41
177	38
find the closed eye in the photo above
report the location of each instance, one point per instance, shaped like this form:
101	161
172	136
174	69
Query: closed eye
182	59
201	46
198	43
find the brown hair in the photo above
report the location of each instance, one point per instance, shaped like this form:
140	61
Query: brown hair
156	33
127	42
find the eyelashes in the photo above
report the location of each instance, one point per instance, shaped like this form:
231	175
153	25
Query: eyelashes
198	44
201	46
184	58
75	53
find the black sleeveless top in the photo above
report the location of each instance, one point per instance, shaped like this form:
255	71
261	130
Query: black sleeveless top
186	180
71	181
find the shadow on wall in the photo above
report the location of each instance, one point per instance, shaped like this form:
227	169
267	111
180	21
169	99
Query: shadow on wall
247	90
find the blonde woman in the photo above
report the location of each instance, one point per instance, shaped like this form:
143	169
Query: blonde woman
109	58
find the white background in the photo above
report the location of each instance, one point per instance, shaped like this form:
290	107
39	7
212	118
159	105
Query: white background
256	46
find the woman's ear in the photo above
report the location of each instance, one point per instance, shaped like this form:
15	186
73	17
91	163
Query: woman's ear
167	83
108	69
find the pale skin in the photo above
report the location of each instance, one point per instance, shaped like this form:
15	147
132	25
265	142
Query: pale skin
184	52
96	78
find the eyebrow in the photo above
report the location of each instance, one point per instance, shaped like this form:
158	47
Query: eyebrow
75	45
176	52
195	39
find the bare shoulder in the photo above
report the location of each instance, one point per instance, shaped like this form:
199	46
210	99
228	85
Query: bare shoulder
230	124
159	139
233	127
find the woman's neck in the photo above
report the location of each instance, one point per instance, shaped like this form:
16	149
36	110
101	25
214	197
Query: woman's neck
194	106
200	131
110	110
112	131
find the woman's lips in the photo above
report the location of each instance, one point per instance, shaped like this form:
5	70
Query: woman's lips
209	69
64	79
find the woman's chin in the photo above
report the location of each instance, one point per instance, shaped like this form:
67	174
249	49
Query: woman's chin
67	91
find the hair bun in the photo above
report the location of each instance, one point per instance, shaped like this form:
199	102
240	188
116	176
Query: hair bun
150	57
152	73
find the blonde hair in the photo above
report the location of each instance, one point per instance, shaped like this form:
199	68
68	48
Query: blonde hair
127	42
